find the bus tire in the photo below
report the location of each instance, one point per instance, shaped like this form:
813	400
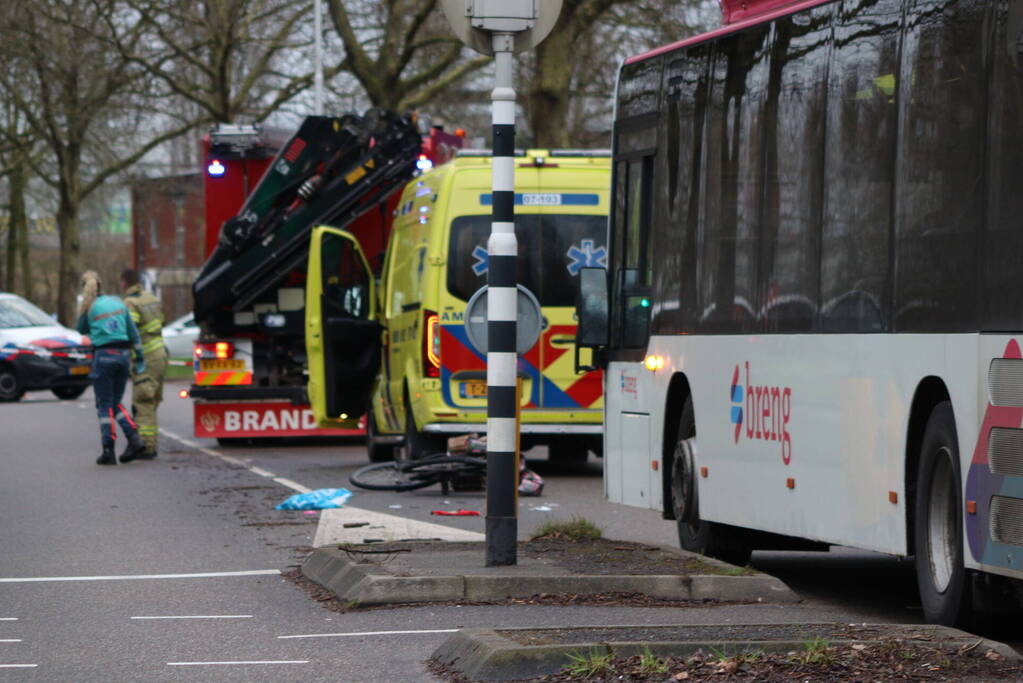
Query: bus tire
941	576
695	534
377	452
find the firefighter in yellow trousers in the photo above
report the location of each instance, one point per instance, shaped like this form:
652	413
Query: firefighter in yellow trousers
147	387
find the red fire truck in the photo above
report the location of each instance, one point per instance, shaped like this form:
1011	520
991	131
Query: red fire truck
264	194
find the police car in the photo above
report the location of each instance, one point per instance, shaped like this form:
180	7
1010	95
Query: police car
37	352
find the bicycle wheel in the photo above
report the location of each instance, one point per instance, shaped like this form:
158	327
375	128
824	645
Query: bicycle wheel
390	476
408	476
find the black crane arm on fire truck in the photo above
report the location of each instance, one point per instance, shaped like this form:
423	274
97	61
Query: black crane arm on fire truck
330	172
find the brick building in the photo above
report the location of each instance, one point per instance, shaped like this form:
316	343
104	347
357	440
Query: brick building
168	236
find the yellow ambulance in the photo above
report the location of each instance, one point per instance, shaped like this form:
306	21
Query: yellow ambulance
432	380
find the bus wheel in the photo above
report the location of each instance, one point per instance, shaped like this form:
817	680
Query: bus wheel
377	452
940	574
695	534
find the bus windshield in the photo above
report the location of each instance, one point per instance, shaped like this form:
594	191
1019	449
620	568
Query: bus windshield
552	249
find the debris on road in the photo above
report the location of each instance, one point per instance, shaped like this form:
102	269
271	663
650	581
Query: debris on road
319	499
456	513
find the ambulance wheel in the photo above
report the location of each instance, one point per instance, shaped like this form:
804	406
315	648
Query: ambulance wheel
417	444
377	452
694	534
11	388
941	576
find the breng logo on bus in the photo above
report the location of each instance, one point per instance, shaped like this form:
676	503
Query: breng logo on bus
765	411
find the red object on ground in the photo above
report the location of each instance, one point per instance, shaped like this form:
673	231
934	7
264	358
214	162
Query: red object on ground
457	513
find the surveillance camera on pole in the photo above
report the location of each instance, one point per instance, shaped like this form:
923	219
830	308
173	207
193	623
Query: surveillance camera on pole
500	28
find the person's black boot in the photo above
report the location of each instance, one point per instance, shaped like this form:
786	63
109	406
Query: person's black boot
147	455
107	457
134	450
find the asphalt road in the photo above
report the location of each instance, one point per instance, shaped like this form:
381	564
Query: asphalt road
169	570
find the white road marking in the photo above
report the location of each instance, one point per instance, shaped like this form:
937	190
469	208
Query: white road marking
291	485
294	486
8	618
370	633
18	666
10	640
129	577
202	616
267	661
331	530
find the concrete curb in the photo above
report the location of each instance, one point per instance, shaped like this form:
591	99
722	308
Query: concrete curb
377	584
488	655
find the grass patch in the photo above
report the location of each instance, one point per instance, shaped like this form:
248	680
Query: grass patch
589	664
650	664
816	651
740	571
576	529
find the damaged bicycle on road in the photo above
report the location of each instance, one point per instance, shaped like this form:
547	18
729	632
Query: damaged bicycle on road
462	468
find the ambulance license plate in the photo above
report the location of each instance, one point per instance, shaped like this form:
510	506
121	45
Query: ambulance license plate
222	364
80	370
474	388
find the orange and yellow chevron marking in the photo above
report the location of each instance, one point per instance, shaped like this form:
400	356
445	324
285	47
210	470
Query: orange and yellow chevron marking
222	378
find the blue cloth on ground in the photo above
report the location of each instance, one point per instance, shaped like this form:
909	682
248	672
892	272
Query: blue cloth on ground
319	499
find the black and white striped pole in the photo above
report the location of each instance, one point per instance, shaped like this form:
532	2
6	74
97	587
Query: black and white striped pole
502	314
501	28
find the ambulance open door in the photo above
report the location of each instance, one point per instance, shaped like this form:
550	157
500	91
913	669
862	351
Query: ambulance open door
342	334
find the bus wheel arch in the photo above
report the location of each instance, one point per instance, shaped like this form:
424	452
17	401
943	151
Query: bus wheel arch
930	392
678	393
694	534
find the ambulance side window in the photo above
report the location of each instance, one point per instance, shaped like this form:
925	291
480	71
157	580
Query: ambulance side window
345	279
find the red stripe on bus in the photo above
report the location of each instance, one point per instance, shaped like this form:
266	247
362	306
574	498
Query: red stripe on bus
729	29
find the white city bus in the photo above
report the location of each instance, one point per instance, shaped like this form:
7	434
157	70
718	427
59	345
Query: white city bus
812	316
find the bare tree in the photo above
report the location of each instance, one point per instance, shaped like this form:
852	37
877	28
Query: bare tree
232	59
572	72
402	52
76	99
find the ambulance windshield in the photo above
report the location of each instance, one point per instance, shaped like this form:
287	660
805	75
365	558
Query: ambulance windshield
552	250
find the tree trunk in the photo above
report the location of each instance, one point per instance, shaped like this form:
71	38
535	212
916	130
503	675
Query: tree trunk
17	241
70	239
547	97
8	279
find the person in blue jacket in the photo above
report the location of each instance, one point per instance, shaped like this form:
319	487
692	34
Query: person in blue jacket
114	337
